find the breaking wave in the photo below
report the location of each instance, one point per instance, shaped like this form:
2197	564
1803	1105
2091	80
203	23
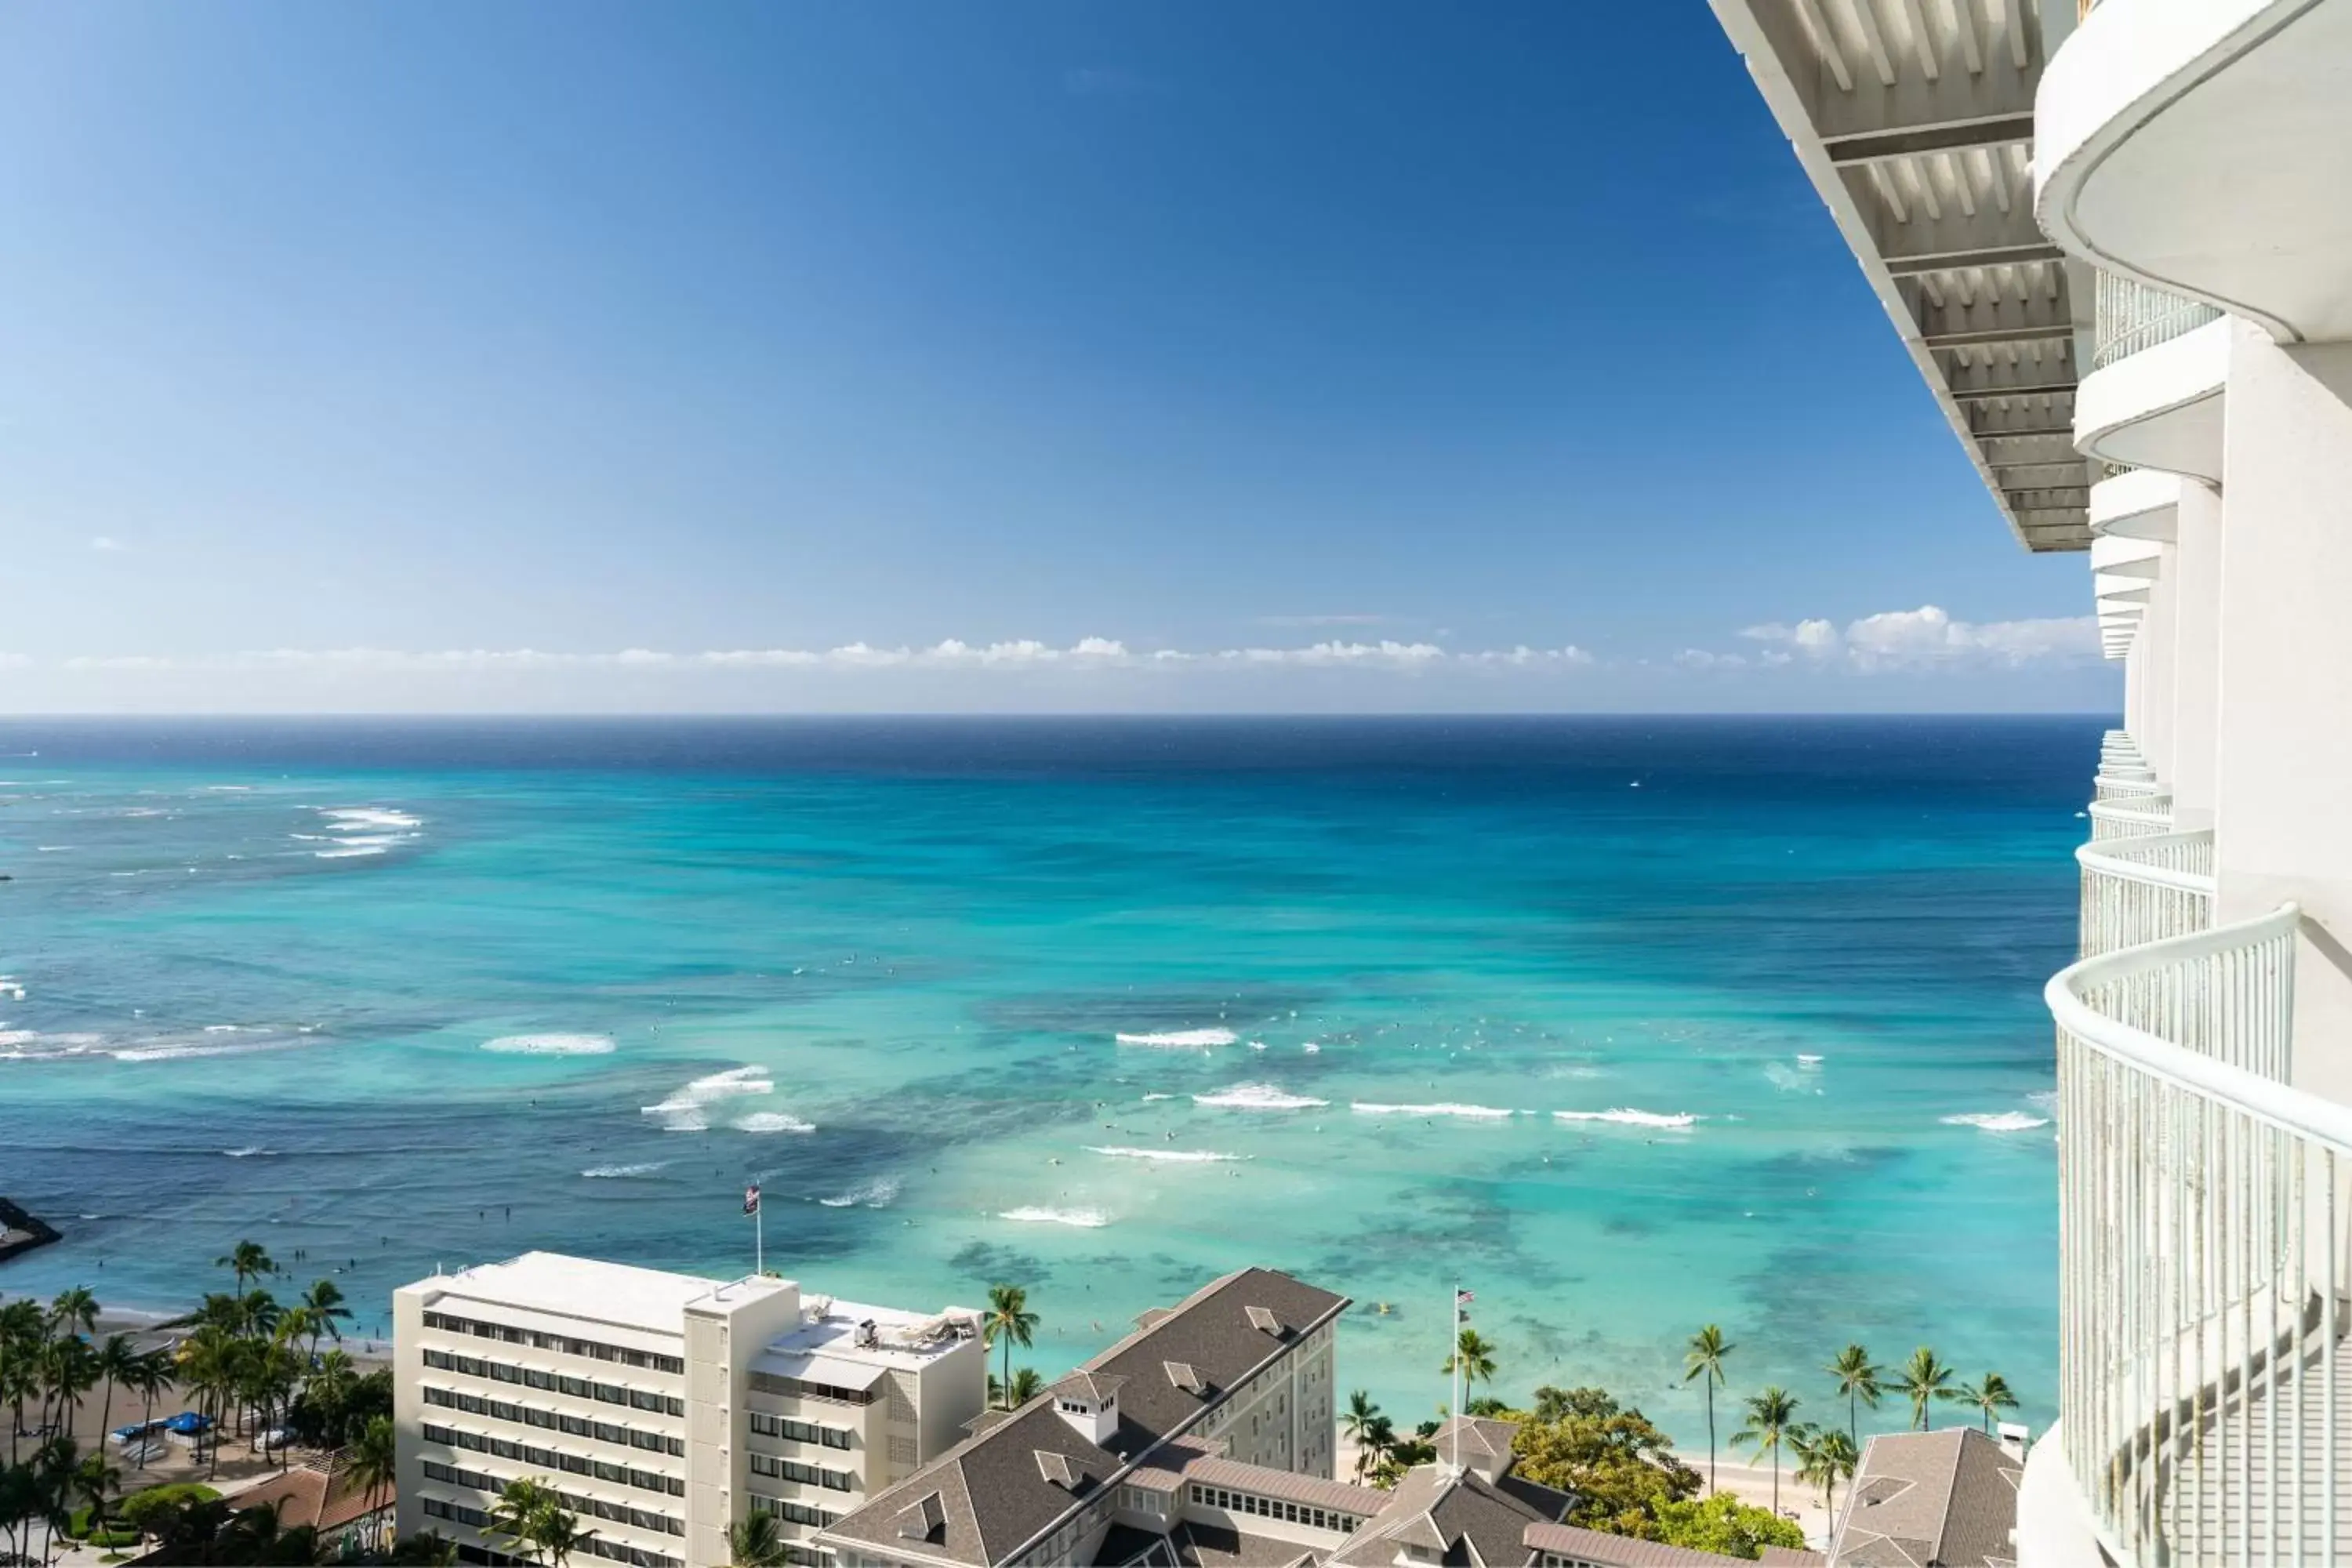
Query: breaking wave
619	1172
873	1195
1173	1156
773	1121
1258	1097
684	1111
1085	1219
551	1045
1997	1120
1625	1116
1180	1039
1474	1113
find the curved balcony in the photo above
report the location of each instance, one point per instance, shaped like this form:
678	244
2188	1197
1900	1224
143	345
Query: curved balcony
2192	144
2204	1262
2142	816
2151	889
2135	503
2153	399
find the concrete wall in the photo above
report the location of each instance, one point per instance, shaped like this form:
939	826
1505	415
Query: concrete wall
2195	568
2155	652
2282	789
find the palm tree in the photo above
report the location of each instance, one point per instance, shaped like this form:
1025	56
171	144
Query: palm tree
53	1462
1474	1356
1857	1384
71	1371
327	1313
425	1549
754	1542
75	1311
208	1370
94	1481
247	1261
1924	1378
1771	1420
557	1533
1993	1397
1825	1459
373	1459
1379	1446
1026	1385
117	1359
516	1513
23	1335
1010	1321
1702	1358
150	1375
1357	1424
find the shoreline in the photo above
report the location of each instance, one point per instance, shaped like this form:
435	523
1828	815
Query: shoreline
367	1350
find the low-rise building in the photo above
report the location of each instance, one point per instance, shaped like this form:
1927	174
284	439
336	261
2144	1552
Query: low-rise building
1946	1497
665	1407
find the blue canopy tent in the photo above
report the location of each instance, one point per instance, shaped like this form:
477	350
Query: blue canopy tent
189	1423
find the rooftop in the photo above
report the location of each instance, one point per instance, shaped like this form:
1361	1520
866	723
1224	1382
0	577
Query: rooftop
652	1299
1947	1497
835	1331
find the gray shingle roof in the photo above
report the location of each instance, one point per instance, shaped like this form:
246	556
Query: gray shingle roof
1624	1550
1466	1517
1947	1497
995	1492
1213	1470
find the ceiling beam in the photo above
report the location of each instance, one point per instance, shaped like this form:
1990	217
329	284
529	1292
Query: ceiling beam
1941	136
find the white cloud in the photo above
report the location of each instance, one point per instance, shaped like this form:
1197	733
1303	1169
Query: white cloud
1928	638
1393	655
107	544
1700	658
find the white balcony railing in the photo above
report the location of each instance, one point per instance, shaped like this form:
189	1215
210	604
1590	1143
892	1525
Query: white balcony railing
2131	316
2145	888
2205	1265
2140	817
2125	784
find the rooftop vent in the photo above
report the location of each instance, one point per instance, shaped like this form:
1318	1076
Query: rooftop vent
1265	1321
1182	1375
922	1519
1056	1467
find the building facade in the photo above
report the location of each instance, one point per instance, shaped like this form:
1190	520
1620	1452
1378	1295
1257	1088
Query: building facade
2116	236
665	1407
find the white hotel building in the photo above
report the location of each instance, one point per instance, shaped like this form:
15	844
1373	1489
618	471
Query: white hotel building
2116	240
665	1407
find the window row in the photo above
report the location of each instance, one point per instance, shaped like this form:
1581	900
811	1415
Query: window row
585	1506
555	1421
793	1513
557	1383
612	1551
784	1427
1274	1508
506	1448
593	1349
801	1388
808	1475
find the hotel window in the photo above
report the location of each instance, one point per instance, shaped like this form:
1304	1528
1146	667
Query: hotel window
577	1387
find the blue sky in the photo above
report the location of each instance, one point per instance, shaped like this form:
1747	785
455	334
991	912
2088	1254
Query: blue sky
880	355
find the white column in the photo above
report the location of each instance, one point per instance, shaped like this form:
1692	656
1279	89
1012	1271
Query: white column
2154	732
2283	788
2135	685
2195	570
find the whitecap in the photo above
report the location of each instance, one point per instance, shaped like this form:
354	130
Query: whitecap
247	1153
773	1121
51	848
11	988
1997	1120
1474	1112
1086	1219
620	1173
683	1111
1311	1049
551	1045
1180	1039
176	1052
873	1195
353	817
1150	1098
1626	1116
348	854
1804	1060
1257	1097
1173	1156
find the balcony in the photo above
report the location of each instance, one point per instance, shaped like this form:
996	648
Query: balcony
2205	1264
2147	888
2153	398
2139	816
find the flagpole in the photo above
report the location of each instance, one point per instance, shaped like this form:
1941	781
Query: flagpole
759	1238
1453	1389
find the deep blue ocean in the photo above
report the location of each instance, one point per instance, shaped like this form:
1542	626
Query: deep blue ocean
1628	1025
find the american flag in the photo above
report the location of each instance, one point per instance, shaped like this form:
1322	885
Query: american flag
751	1199
1462	1297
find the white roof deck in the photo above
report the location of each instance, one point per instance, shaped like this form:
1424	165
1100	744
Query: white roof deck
584	1289
824	1348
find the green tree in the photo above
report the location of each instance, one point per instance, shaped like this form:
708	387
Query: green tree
75	1311
247	1260
1771	1416
371	1458
1992	1395
1355	1423
1857	1384
1010	1323
24	1340
1924	1378
425	1549
117	1360
1724	1524
559	1534
1617	1465
326	1313
1474	1357
1702	1358
148	1376
1825	1459
523	1504
754	1542
95	1482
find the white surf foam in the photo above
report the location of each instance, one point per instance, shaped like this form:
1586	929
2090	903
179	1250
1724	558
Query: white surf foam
1804	1061
1150	1098
351	818
1626	1116
773	1121
1997	1120
11	988
167	1053
551	1045
348	854
1086	1219
1173	1156
684	1111
621	1173
1257	1097
1180	1039
247	1153
873	1194
1473	1112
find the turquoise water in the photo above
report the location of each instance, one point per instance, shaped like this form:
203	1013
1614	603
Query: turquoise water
883	968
